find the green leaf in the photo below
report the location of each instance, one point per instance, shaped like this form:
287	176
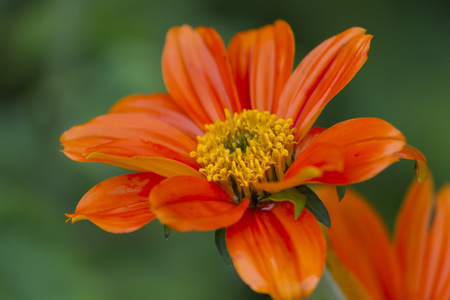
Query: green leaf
315	205
340	189
167	231
222	246
293	196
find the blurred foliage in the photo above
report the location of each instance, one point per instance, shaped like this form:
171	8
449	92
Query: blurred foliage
64	62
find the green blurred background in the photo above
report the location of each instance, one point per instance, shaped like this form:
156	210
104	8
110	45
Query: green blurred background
65	62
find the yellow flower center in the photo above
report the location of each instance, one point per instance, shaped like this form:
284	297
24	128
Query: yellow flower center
249	147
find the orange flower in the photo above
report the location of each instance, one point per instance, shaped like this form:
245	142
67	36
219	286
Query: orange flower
415	265
234	129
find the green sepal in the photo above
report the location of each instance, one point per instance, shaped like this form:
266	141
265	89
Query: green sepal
315	205
222	246
340	189
291	195
167	231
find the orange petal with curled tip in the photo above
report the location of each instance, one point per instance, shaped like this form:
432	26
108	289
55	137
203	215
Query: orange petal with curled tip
422	170
370	145
411	231
187	203
360	241
197	74
112	127
160	105
320	76
275	254
119	204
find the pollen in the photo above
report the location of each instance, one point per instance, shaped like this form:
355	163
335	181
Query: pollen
248	147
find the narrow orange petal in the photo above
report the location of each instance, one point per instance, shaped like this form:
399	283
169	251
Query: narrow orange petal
275	254
197	74
160	105
435	276
320	76
187	203
119	204
143	148
360	241
271	65
213	41
261	62
166	167
240	51
112	127
370	146
411	231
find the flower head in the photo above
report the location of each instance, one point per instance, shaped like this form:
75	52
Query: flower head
234	129
368	265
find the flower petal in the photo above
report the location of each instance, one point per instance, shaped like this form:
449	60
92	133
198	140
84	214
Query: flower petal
441	230
148	104
275	254
370	146
143	148
411	231
261	62
435	275
360	241
349	152
112	127
271	65
320	76
240	52
310	137
197	74
166	167
187	203
119	204
160	105
216	47
440	238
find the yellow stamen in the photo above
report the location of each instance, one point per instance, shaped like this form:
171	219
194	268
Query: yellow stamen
252	146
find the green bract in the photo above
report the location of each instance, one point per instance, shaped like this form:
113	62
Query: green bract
291	195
